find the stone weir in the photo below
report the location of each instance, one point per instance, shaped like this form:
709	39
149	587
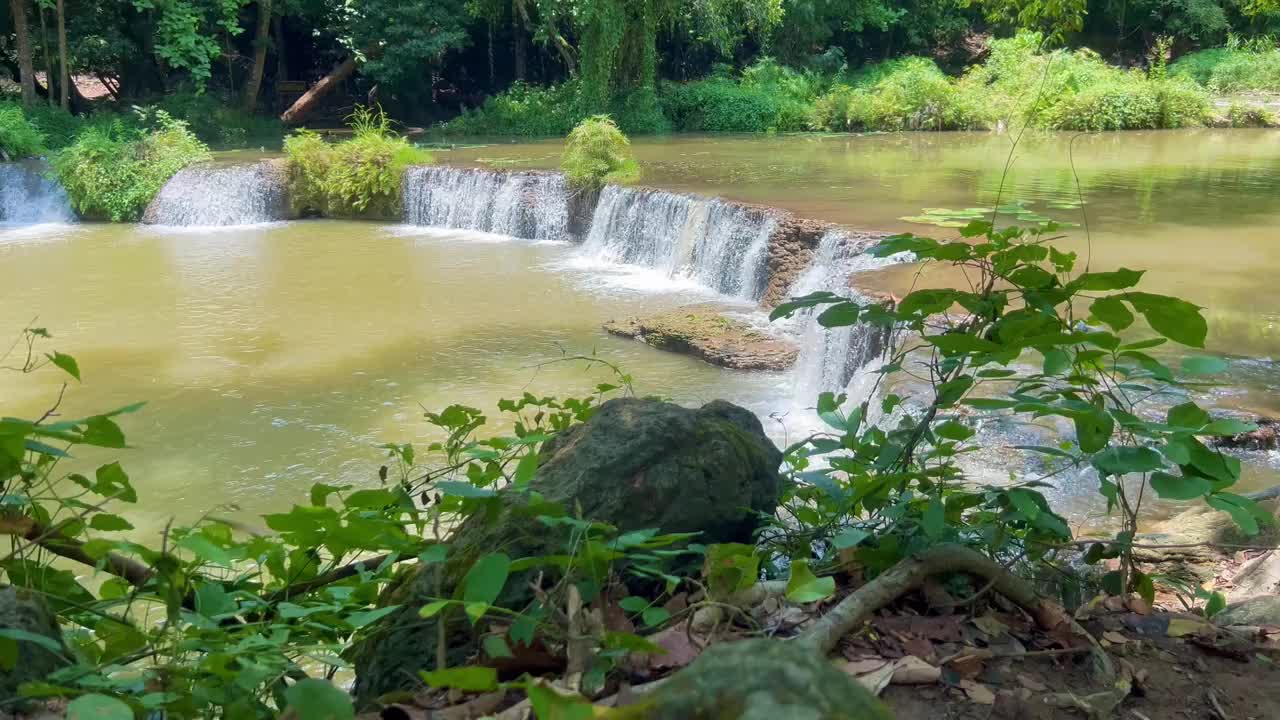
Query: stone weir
222	196
751	252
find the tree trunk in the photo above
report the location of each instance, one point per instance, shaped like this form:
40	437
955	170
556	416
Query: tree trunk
282	57
44	46
261	40
517	46
26	67
312	97
64	72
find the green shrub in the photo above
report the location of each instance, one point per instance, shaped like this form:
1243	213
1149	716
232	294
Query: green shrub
112	172
18	137
906	94
522	110
1227	70
640	113
1240	115
359	177
720	105
219	121
597	152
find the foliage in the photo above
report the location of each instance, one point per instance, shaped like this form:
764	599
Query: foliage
524	111
1228	70
768	97
19	138
597	153
1031	337
218	121
113	172
358	177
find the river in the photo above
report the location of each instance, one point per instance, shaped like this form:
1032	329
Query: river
278	355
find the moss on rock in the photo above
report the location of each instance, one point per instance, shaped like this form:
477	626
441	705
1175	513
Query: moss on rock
704	332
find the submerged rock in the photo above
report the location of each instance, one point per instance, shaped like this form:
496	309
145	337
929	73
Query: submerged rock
1262	610
26	611
760	680
1266	437
636	464
704	332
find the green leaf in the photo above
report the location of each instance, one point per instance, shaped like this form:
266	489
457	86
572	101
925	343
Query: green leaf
1024	501
371	499
841	315
475	678
1056	362
315	699
1187	415
1217	603
1173	318
205	549
1125	459
1112	311
851	537
633	603
484	581
432	608
366	617
103	707
1227	427
43	641
67	363
935	518
655	616
1093	430
1242	510
549	704
1179	487
1203	365
805	587
496	647
526	469
1115	280
112	482
829	410
463	489
109	523
102	431
434	554
320	492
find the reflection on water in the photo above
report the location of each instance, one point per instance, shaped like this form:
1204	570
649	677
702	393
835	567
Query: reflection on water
276	356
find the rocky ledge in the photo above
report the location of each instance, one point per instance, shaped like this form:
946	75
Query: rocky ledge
705	332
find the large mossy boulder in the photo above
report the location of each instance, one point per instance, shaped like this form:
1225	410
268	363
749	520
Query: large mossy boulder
26	612
636	464
759	680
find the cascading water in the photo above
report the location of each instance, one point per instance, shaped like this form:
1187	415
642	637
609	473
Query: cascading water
527	205
212	196
836	359
720	245
28	197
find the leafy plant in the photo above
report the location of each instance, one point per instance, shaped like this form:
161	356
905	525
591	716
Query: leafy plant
596	153
113	172
18	137
358	177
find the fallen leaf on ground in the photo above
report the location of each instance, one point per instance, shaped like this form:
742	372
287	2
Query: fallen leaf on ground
969	666
919	647
911	670
877	680
990	625
1183	626
1137	605
1031	683
862	666
978	693
1114	637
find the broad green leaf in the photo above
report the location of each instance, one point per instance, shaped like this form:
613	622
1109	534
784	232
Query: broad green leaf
102	431
103	707
43	641
1056	362
805	587
1179	487
1217	603
526	469
484	581
1227	427
66	362
789	308
205	549
952	343
1024	501
841	315
1242	510
109	523
432	609
112	482
1093	430
434	554
1115	280
1124	460
1173	318
829	410
496	647
371	499
934	521
463	489
366	617
633	603
1112	311
730	567
1187	415
475	678
655	616
320	492
850	538
315	699
549	704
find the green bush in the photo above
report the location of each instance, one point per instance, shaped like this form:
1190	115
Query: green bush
597	152
522	110
359	177
18	137
219	121
768	97
112	172
905	94
1240	115
1228	70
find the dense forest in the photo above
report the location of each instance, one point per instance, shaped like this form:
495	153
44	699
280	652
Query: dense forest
542	65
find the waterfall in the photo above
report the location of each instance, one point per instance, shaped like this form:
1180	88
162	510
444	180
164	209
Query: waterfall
527	205
723	246
28	197
211	196
836	359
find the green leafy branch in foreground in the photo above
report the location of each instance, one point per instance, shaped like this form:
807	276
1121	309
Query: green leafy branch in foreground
1031	338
